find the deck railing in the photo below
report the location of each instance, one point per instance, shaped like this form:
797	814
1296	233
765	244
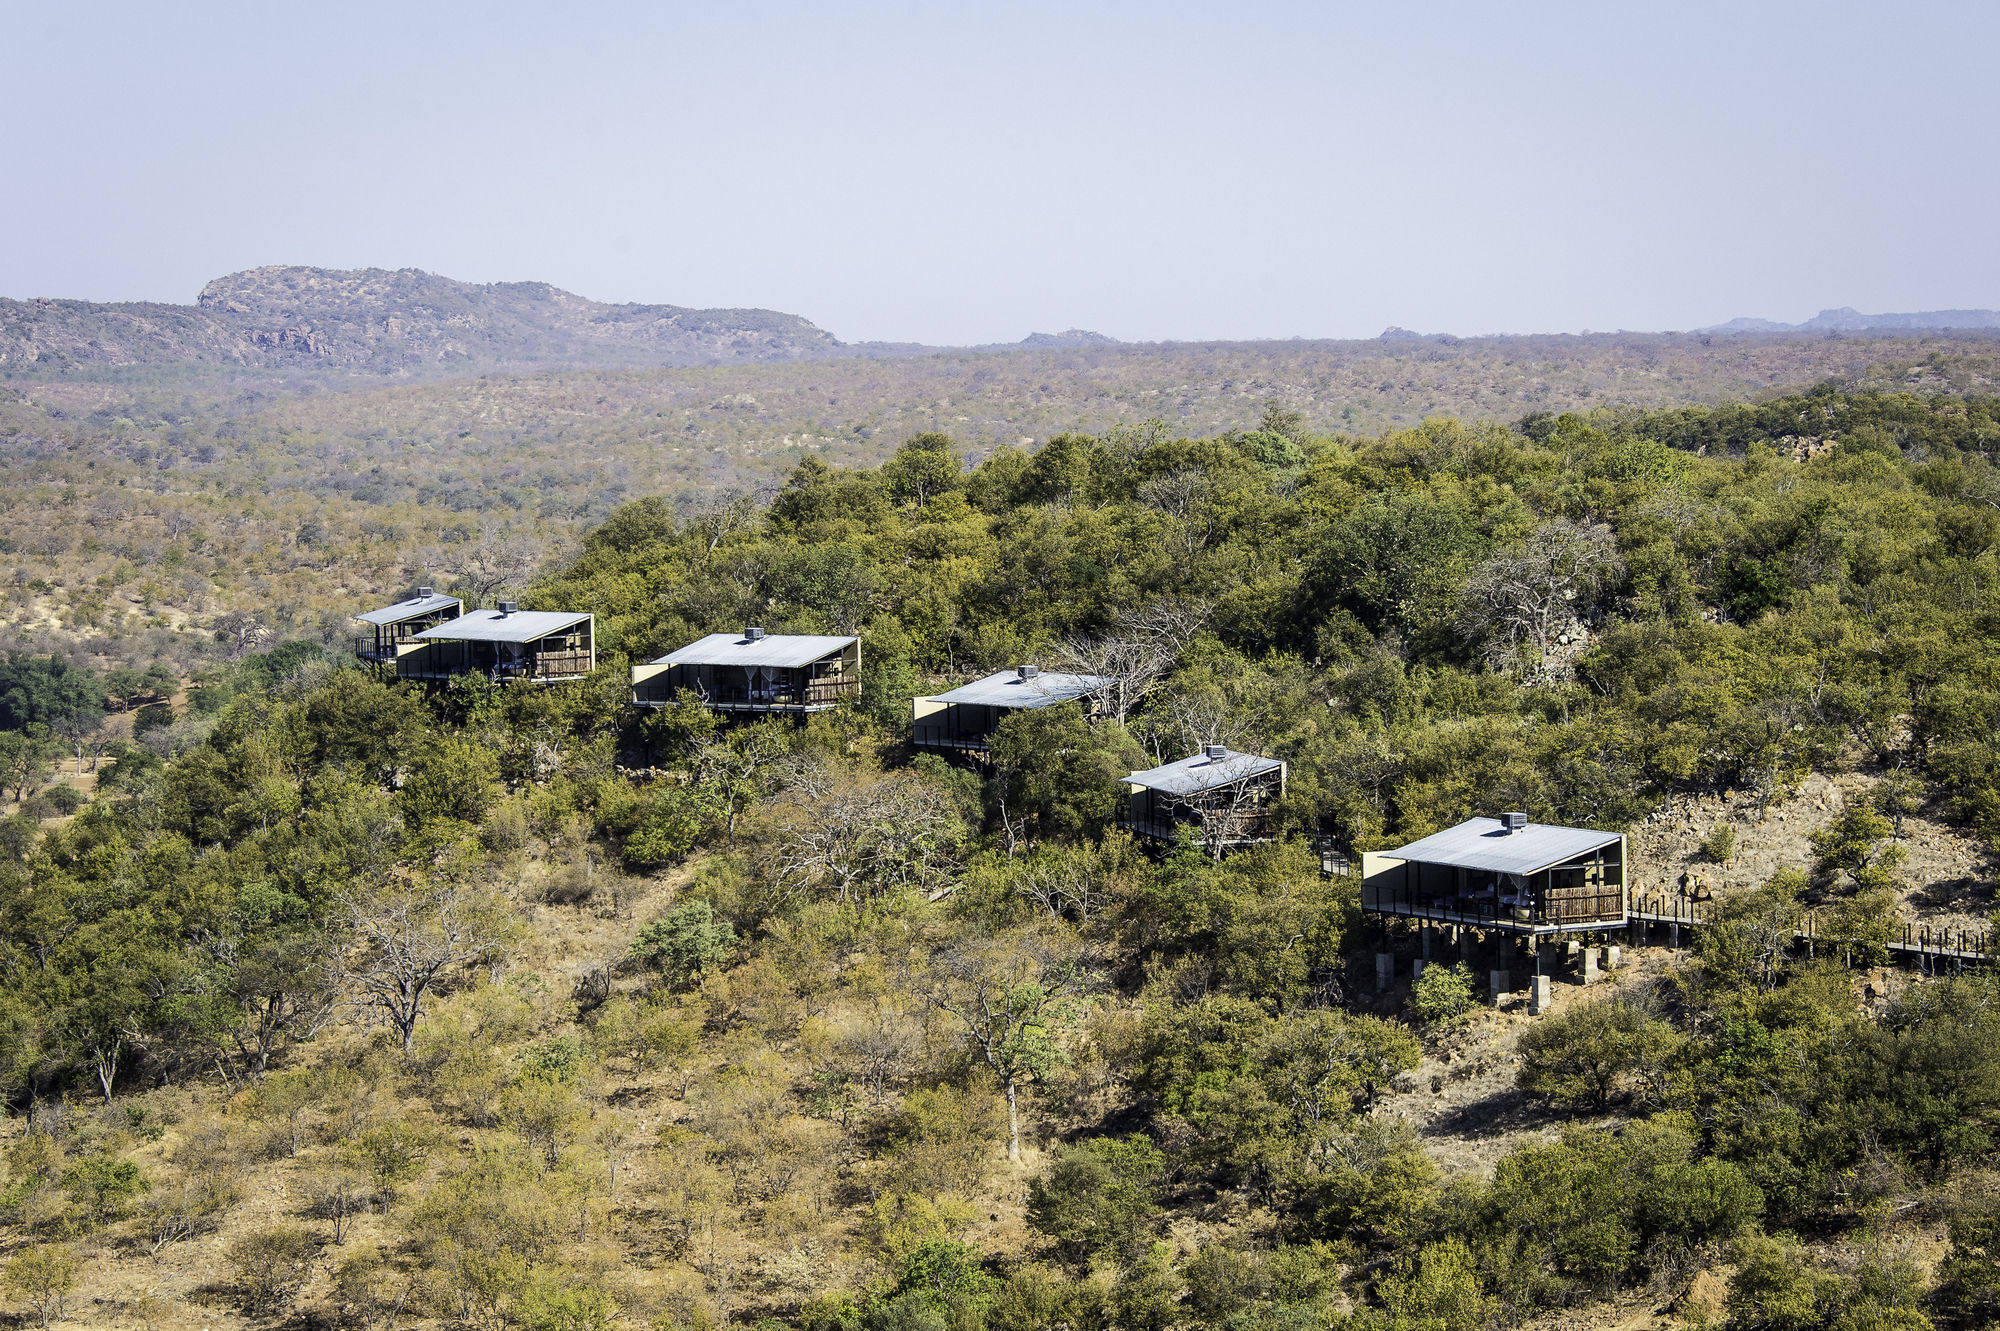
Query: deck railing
547	665
1245	830
949	739
435	664
1568	908
1929	945
817	693
371	648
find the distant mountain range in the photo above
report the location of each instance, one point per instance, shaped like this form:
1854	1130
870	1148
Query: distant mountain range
1847	319
374	320
405	322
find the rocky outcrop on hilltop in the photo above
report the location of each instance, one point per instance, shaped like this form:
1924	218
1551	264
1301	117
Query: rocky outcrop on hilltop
375	320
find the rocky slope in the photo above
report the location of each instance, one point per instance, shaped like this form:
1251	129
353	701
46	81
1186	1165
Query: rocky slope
376	321
1946	881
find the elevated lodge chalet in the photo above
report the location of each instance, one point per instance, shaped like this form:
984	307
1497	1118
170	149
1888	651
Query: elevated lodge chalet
1226	798
393	628
504	644
962	722
752	671
1503	874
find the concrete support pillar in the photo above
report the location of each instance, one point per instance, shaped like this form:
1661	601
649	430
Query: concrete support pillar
1498	982
1613	958
1673	935
1424	933
1417	970
1540	994
1587	974
1385	970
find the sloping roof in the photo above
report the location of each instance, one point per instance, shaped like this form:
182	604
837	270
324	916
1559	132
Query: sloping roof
402	610
781	649
492	626
1200	772
1006	688
1483	843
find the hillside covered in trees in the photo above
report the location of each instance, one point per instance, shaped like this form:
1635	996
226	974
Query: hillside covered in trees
340	1003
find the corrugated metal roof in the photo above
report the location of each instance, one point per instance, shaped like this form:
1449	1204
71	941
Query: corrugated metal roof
779	649
1006	688
1483	843
492	626
402	610
1200	772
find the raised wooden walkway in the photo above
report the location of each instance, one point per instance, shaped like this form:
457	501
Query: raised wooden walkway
1932	947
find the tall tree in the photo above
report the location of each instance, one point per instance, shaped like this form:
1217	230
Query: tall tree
1009	997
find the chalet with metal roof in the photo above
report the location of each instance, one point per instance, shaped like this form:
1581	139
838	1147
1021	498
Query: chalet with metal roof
392	628
963	720
1505	874
1223	797
755	672
506	643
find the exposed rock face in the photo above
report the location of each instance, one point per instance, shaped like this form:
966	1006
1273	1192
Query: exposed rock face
374	320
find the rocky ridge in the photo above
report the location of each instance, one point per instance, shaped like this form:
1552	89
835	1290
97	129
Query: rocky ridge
373	320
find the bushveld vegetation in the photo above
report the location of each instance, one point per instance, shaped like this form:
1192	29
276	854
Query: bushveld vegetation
515	1007
180	514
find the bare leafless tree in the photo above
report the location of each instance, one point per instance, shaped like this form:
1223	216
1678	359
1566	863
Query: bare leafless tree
807	774
1067	884
1141	648
1528	597
868	839
715	516
1187	497
1183	722
881	1045
243	630
1232	813
412	934
502	559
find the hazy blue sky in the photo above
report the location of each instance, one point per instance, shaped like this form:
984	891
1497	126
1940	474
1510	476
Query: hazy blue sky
952	173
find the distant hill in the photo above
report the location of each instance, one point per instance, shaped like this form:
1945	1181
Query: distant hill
375	320
1847	319
1071	337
